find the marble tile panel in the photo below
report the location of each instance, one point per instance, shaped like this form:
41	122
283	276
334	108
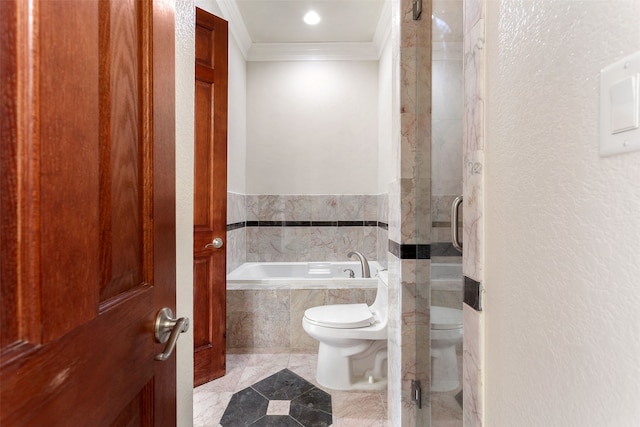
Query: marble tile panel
360	405
350	207
472	232
382	247
370	210
394	218
301	300
383	208
345	296
296	244
474	90
408	226
208	408
271	207
240	329
370	243
472	367
297	207
236	208
236	248
324	207
473	11
348	239
264	244
252	202
323	244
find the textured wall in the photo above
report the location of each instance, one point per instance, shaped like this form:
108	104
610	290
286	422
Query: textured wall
562	224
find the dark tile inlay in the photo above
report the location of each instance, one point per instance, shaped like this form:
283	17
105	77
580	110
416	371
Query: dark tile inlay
309	407
471	295
245	407
284	385
312	408
276	421
408	251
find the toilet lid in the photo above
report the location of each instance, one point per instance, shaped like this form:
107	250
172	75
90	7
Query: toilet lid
340	316
445	318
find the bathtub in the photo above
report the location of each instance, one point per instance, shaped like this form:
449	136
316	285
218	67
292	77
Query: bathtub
300	275
266	301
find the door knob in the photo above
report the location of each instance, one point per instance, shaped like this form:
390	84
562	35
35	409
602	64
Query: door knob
216	243
168	330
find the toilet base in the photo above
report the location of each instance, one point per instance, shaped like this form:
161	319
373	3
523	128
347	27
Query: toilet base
359	367
444	369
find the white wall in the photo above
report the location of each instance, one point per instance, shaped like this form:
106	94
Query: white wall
313	127
237	120
385	114
237	108
562	224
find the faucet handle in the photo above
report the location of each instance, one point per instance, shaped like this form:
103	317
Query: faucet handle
351	273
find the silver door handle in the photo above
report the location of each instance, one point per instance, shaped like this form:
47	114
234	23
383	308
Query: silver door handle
168	330
455	210
216	243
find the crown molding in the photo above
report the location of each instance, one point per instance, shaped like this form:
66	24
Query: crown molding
354	51
238	29
383	29
313	52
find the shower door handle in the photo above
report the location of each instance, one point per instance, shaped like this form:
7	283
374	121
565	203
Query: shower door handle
455	211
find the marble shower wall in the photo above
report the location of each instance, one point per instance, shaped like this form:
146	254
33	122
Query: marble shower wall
473	234
269	228
410	216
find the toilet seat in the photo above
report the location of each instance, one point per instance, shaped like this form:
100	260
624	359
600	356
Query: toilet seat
340	316
444	318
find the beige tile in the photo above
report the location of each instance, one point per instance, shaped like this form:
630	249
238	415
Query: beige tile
364	406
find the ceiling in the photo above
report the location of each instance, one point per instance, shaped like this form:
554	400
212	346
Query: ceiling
268	30
280	21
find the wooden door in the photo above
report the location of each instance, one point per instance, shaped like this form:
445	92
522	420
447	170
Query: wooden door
210	210
87	197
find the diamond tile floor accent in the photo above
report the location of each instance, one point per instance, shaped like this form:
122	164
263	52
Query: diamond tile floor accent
307	405
348	408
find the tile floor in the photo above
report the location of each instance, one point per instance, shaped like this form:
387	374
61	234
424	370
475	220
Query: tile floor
349	409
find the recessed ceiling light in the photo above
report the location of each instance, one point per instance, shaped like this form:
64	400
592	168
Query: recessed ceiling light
311	18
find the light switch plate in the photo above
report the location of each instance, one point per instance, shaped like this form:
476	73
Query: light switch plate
620	106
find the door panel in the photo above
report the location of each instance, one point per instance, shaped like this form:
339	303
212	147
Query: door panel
88	228
210	205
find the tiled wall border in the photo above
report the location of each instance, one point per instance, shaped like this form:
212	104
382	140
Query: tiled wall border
406	251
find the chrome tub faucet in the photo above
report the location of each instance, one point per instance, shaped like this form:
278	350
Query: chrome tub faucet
366	273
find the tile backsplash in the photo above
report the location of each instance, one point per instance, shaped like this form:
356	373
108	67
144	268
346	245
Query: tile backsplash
263	228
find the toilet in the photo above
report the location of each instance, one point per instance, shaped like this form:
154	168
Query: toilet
446	334
352	354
